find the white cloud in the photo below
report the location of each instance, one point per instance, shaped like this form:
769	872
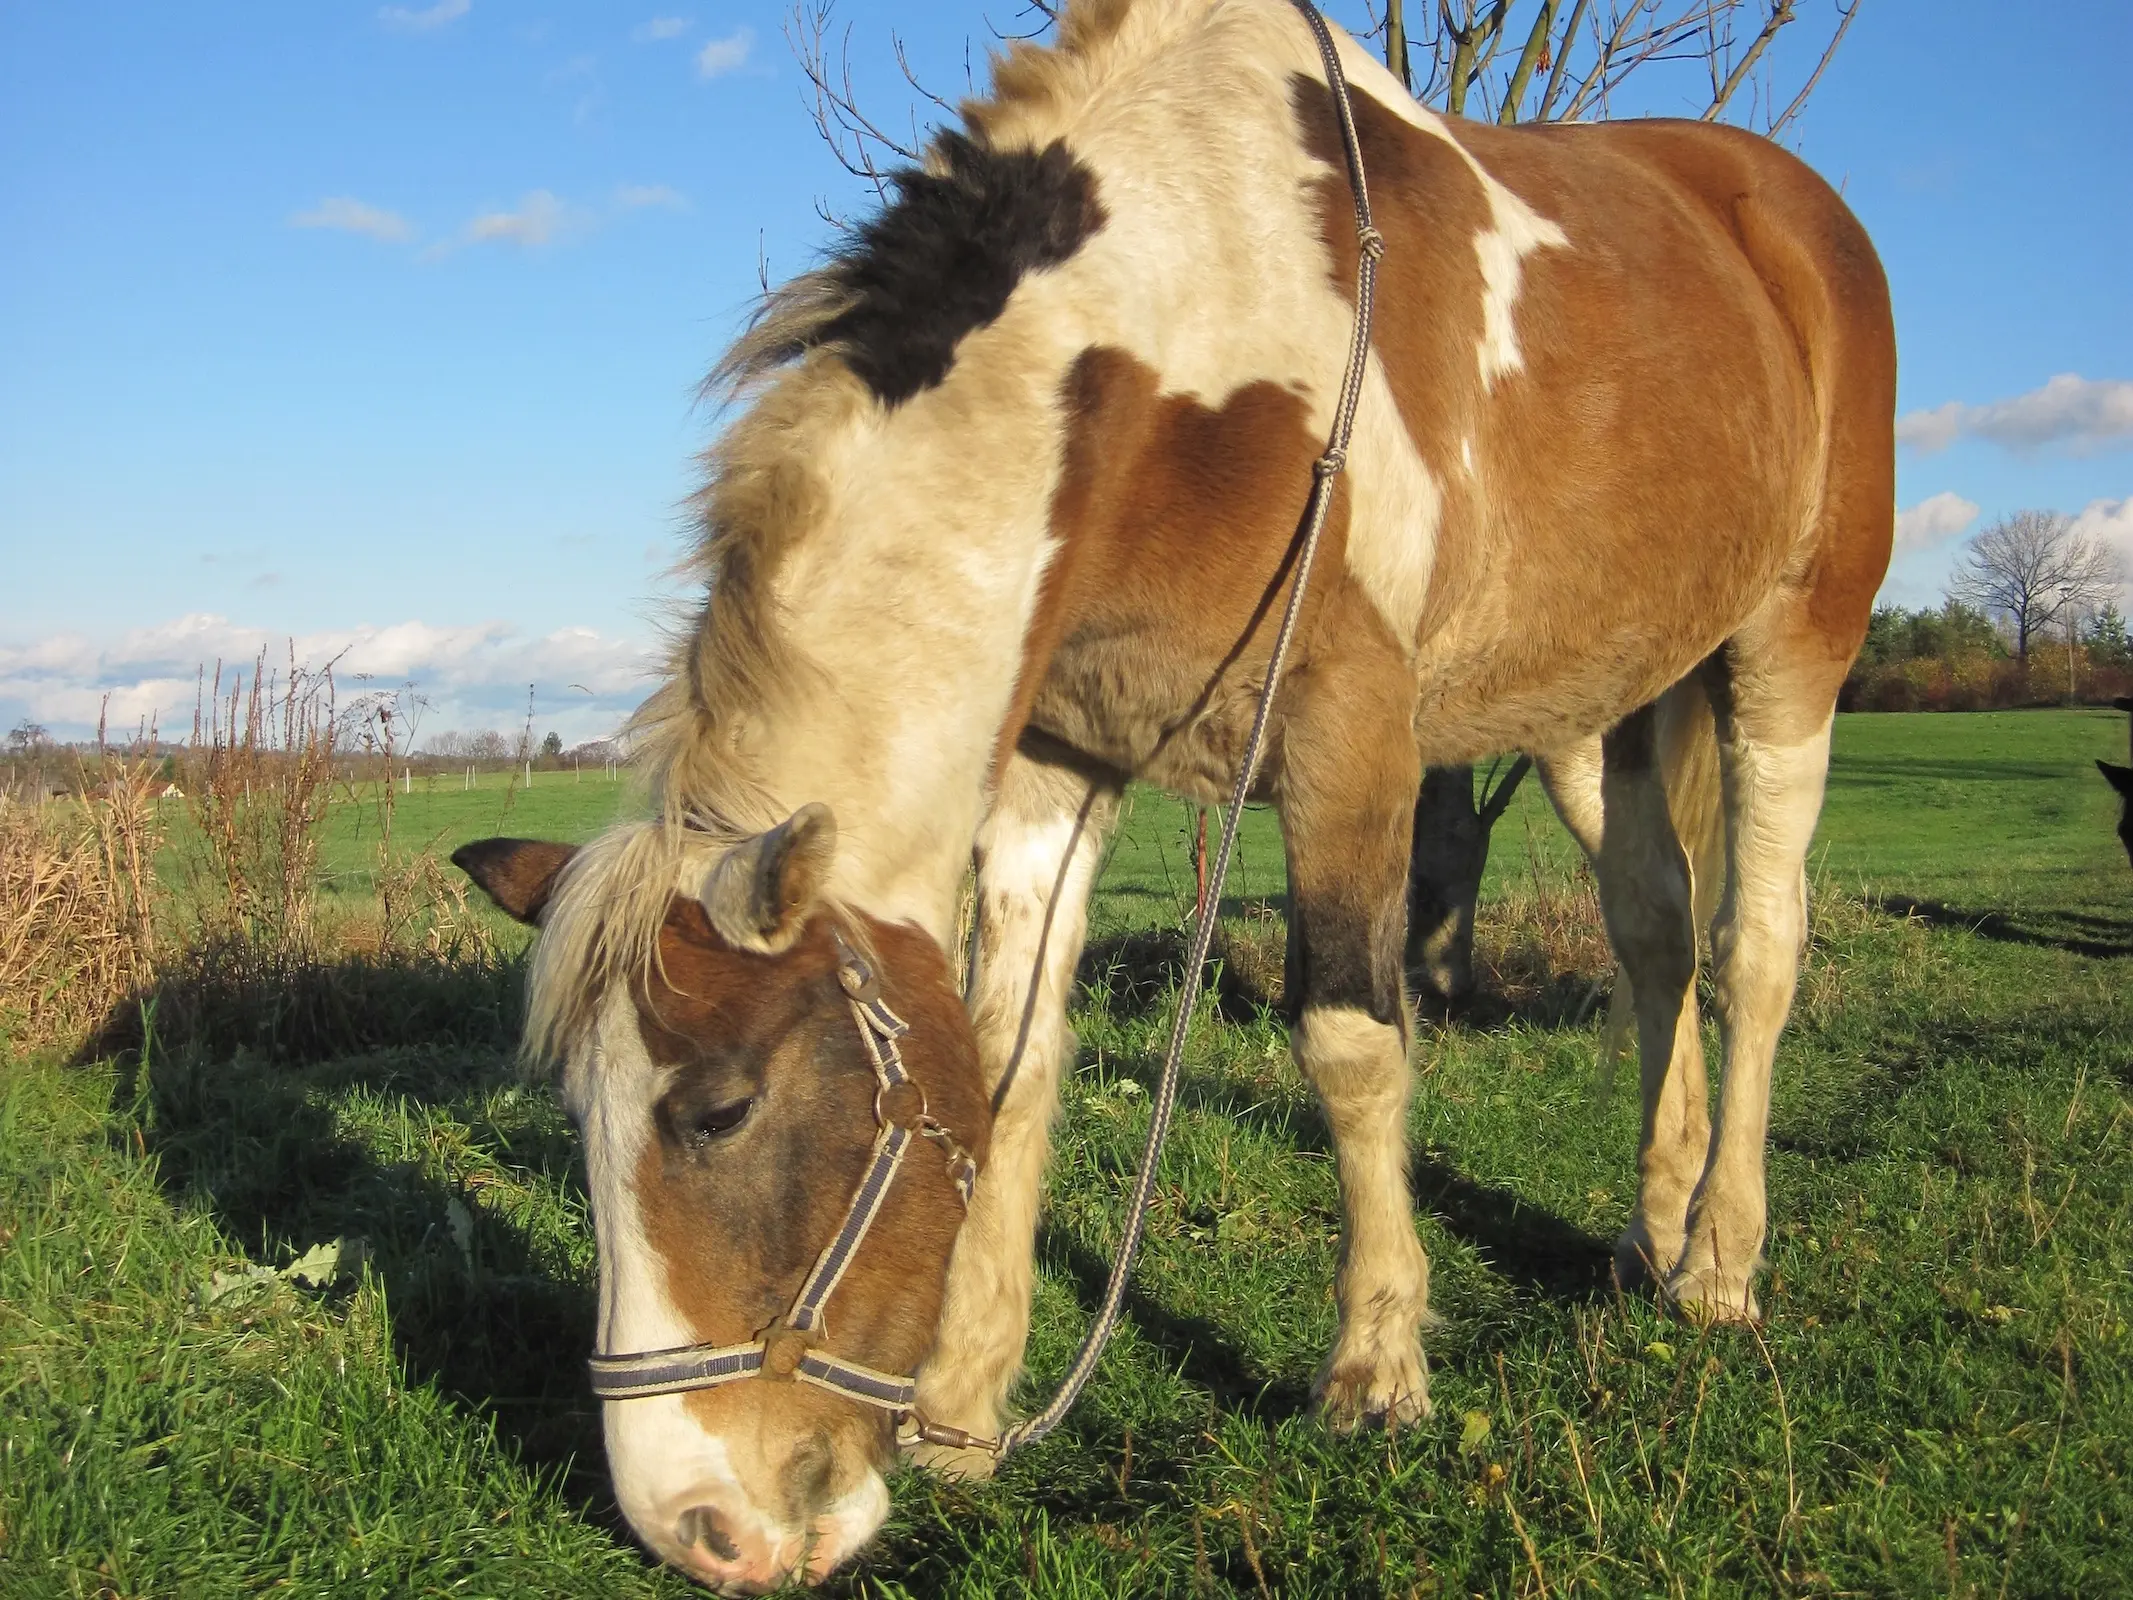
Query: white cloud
1934	520
721	56
660	28
424	19
540	219
1930	431
637	196
2082	414
2111	523
473	675
347	215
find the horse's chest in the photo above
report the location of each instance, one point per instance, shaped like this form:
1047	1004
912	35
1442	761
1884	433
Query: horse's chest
1135	700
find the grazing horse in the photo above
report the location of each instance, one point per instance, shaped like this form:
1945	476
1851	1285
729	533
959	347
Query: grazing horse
1009	520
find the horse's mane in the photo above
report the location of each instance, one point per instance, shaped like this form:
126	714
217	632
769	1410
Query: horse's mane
876	322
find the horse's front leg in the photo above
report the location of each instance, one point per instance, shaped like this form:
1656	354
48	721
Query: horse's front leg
1346	799
1037	857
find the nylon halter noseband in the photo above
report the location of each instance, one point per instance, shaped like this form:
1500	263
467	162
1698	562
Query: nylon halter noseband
788	1349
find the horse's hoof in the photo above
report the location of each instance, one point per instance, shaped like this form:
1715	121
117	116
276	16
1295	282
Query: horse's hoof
1706	1298
1641	1264
1391	1392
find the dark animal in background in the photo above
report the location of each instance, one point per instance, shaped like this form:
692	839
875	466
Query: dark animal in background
2122	780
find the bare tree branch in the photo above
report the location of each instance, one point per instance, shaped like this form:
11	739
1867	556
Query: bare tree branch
1779	122
1496	798
1563	45
1780	14
1597	77
903	64
1492	41
1536	47
1462	55
1396	44
1048	18
852	136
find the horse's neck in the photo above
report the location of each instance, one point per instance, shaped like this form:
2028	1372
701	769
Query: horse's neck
912	603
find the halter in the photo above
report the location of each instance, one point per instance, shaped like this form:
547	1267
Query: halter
788	1350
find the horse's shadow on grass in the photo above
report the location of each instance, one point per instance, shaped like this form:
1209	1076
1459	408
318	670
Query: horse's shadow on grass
477	1303
1136	974
251	1084
1196	1347
2102	938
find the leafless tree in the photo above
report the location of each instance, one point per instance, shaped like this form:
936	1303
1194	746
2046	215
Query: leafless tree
1503	60
1547	61
2029	569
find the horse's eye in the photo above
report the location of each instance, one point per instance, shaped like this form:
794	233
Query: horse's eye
699	1128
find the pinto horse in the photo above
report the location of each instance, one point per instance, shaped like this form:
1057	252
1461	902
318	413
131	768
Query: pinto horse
1008	520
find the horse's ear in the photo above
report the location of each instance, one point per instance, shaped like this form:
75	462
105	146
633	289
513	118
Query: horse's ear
518	874
2121	777
759	895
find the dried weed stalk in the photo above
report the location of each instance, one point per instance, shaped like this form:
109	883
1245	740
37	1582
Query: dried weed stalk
260	775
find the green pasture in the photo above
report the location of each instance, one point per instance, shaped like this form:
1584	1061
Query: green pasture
1941	1400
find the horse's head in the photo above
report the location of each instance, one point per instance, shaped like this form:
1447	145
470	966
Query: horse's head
736	1083
2121	779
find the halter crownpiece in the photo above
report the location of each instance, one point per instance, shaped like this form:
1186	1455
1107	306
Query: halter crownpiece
787	1350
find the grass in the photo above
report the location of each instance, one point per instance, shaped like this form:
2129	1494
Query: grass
1941	1401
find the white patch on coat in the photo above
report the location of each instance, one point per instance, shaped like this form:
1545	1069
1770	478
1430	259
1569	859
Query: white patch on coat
1515	229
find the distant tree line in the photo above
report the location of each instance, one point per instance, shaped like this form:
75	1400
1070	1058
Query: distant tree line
488	748
2030	618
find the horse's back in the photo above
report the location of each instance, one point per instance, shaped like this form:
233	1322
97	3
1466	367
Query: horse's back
1682	403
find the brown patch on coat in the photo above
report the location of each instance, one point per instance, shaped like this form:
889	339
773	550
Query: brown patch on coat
1178	525
738	1219
1715	303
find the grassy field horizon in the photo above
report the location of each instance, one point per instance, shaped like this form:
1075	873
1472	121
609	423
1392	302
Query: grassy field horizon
196	1398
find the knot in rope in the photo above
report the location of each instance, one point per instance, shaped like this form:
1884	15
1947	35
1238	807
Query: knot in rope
1372	241
1332	462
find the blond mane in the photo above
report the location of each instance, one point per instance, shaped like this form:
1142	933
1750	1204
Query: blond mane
730	669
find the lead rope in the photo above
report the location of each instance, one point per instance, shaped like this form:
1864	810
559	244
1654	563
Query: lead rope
1324	471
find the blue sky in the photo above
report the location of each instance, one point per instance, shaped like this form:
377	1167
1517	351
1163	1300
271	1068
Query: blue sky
379	327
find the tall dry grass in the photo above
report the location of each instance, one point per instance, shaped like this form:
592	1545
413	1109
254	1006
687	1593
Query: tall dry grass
1540	943
78	901
109	918
261	968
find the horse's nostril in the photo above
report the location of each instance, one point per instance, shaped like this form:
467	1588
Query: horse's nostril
702	1525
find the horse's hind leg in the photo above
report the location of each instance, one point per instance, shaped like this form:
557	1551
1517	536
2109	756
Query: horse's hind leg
1037	857
1772	702
1346	806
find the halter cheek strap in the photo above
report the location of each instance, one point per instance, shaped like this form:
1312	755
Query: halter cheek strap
788	1349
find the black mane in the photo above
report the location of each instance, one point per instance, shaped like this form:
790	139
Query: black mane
941	259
